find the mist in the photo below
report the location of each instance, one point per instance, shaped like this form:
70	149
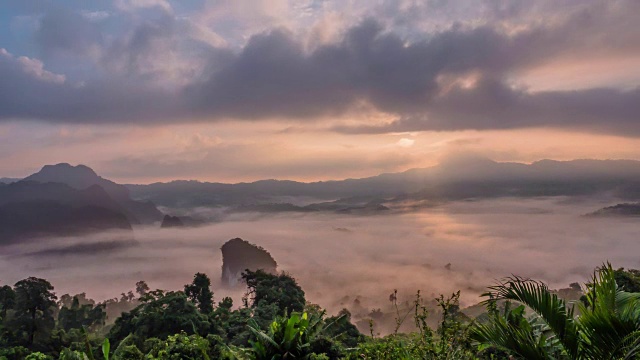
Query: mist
340	258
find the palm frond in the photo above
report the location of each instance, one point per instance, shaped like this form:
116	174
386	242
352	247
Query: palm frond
610	322
517	340
553	310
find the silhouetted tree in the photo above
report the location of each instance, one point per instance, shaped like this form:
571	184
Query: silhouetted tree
7	300
142	288
35	303
272	295
159	315
199	292
343	330
77	316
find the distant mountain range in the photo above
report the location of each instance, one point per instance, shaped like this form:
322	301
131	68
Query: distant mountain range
62	200
452	180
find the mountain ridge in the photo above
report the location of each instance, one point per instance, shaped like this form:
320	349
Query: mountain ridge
455	179
83	177
444	164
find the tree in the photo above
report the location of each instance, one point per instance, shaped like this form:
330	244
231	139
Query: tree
270	295
7	332
66	300
628	280
235	326
199	292
281	291
142	288
181	346
341	328
161	314
608	326
35	302
7	300
77	316
129	352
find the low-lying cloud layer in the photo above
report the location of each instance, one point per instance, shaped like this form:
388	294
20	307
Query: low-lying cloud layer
359	257
457	71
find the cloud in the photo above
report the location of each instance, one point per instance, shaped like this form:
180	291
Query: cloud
61	30
167	67
491	104
34	68
405	143
132	5
30	92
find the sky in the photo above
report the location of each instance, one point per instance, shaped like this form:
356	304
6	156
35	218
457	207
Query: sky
155	90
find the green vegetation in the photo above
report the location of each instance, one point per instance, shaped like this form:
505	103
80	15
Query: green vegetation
607	327
523	320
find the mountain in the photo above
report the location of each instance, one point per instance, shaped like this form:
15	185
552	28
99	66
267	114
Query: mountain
454	179
82	177
78	177
239	255
30	209
33	219
29	191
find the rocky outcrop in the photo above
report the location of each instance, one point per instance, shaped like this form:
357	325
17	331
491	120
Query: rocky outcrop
239	255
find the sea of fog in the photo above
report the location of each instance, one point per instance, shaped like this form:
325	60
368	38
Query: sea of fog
339	258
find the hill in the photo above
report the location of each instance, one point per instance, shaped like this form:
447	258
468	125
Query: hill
29	210
82	177
34	219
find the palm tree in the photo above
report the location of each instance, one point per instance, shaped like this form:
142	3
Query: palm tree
606	325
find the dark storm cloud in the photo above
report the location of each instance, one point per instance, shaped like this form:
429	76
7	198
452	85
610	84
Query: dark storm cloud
493	105
274	75
27	91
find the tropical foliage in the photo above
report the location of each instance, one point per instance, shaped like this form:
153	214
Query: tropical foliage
524	319
605	325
